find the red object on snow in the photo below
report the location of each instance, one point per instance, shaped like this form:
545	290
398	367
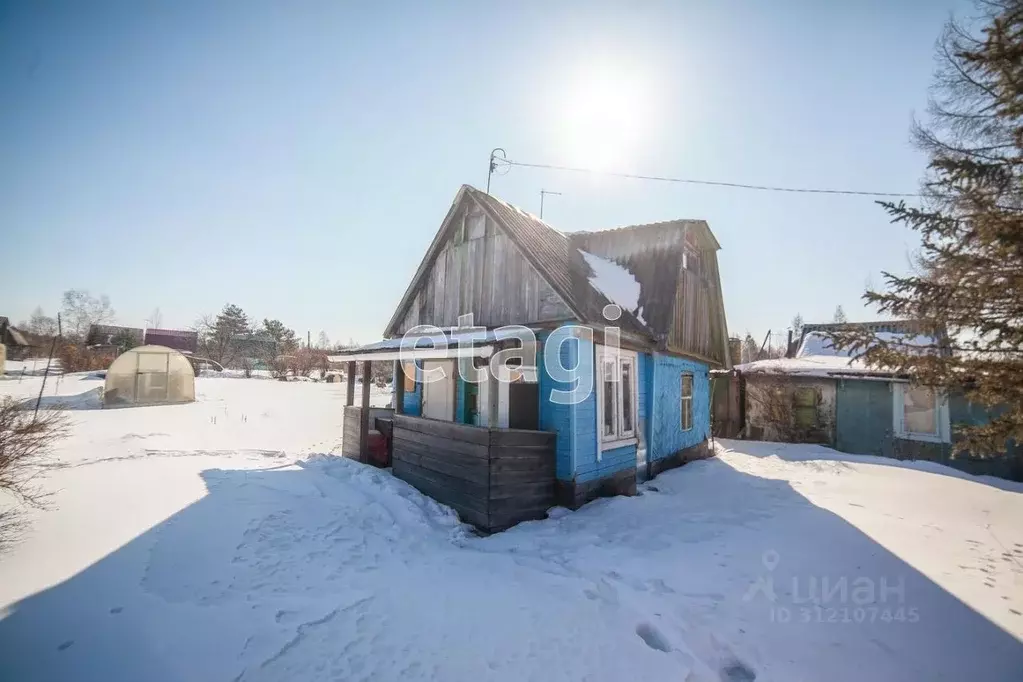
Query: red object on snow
376	447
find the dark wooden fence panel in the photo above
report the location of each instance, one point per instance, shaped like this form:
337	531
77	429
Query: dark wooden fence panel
494	478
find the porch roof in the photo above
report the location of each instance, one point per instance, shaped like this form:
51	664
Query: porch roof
474	343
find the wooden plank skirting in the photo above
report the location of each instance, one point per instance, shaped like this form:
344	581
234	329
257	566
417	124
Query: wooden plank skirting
494	478
351	433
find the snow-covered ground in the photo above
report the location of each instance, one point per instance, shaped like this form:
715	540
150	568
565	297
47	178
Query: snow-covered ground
220	540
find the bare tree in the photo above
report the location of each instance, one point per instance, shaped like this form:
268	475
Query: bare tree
40	323
323	341
25	440
840	316
81	310
155	319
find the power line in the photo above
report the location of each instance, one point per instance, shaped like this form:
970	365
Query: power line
497	161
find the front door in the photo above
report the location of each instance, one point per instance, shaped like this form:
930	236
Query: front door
439	395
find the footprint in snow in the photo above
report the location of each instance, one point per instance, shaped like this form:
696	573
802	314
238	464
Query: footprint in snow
736	671
652	637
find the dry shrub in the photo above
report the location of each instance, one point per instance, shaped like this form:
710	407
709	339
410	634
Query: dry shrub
771	413
305	360
25	443
75	357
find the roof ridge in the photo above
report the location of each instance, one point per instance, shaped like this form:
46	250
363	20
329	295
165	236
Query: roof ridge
661	223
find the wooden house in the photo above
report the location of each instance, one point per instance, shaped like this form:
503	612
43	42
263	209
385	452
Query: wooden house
613	387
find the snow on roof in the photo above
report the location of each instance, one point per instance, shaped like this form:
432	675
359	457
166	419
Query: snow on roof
817	357
616	282
819	343
807	365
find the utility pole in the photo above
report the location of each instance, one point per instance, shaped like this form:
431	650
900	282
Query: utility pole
544	192
46	370
493	163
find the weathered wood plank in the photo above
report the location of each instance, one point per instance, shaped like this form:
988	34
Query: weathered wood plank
433	427
521	500
522	437
456	458
447	481
434	485
504	478
442	444
445	465
523	492
350	388
520	465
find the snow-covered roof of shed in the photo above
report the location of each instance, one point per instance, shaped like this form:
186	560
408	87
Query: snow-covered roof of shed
817	357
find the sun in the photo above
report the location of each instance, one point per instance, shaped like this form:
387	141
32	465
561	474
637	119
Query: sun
604	113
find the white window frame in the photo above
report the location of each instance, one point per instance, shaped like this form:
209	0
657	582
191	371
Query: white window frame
943	434
619	358
683	399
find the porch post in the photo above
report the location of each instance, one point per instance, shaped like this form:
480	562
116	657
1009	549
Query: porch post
364	429
350	397
399	387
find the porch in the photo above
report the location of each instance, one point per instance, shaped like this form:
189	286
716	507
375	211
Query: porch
493	476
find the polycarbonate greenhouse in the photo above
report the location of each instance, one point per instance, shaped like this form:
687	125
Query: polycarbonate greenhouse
149	375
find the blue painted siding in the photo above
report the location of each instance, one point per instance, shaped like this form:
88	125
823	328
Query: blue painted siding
644	367
459	399
611	462
576	425
665	428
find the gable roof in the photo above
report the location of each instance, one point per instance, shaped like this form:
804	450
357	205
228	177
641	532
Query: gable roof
650	254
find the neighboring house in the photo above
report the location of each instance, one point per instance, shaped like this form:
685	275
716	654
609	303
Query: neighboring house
823	395
178	339
636	412
18	345
105	336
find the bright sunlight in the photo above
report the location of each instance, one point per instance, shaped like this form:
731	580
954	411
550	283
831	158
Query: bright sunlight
605	114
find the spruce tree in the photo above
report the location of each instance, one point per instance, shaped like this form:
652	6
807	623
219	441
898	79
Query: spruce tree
968	278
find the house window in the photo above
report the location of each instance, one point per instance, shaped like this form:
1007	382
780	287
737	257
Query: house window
687	401
410	377
921	413
616	396
804	408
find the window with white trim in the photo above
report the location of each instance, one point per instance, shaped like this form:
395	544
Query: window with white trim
921	413
687	401
616	396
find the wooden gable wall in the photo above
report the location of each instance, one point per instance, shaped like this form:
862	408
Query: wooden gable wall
698	321
479	270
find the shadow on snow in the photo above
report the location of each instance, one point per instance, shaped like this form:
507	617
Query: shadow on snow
211	592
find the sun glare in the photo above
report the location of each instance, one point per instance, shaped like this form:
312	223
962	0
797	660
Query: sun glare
604	115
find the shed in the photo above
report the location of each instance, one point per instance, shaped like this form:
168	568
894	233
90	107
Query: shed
149	375
822	395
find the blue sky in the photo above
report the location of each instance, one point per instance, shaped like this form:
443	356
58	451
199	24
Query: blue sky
297	160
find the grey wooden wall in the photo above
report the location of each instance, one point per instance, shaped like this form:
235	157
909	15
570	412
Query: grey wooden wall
494	478
486	275
698	326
